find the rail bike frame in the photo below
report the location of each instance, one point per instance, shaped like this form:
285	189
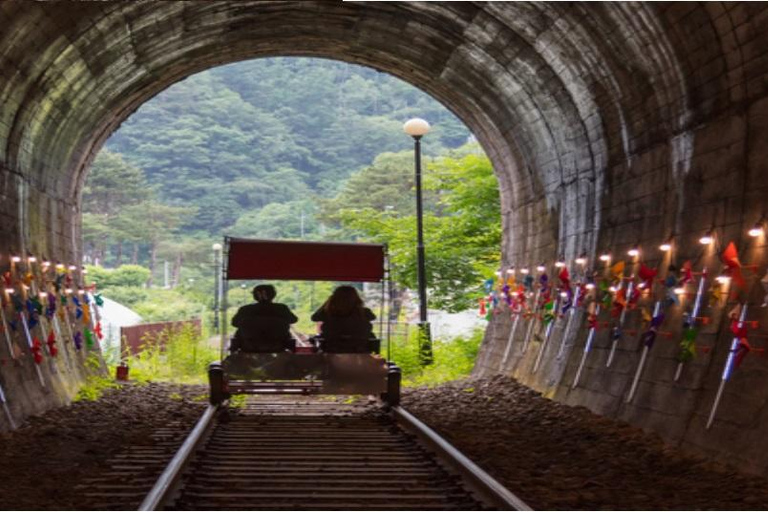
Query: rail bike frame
303	370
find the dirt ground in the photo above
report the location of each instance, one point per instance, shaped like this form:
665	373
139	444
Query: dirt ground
559	457
45	459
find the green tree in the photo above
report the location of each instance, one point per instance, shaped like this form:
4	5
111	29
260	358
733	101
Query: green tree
235	138
127	275
159	222
462	237
112	185
294	220
385	185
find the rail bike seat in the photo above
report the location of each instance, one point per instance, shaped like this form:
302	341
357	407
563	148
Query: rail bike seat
348	345
281	365
260	345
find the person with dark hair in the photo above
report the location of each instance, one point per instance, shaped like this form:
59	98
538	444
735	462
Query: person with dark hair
264	326
346	322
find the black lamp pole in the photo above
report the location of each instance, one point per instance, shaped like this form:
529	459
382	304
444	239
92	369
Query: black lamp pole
425	336
216	285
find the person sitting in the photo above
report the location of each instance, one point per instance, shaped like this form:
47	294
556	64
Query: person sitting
264	326
346	322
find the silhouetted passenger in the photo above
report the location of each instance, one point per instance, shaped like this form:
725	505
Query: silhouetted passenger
264	326
346	322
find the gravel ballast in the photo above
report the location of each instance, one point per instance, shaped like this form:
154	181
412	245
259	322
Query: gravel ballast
556	457
49	455
551	455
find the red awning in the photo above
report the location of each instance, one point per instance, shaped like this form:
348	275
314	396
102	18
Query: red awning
308	261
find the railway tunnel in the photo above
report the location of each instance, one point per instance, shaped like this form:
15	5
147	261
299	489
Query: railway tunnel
609	126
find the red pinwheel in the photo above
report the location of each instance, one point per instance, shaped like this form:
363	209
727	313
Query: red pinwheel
51	342
619	303
592	321
687	271
740	332
731	259
647	275
37	350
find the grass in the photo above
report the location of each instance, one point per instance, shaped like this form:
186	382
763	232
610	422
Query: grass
180	356
96	383
237	401
453	359
185	355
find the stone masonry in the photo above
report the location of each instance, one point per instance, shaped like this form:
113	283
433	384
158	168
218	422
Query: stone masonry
609	125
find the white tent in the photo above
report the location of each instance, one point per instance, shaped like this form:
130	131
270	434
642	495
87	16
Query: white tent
113	316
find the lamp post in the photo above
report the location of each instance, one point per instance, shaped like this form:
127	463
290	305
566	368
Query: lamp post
216	284
417	128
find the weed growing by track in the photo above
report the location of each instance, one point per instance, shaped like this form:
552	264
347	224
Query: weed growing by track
180	356
96	383
453	359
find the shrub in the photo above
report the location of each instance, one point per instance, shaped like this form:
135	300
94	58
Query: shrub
453	359
183	357
96	382
125	275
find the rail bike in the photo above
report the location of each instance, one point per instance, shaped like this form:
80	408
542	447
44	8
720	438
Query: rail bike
289	459
340	366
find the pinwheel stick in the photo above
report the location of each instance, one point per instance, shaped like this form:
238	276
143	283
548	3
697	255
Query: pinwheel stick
728	368
5	408
531	322
569	322
643	357
694	315
587	348
547	335
620	324
7	334
511	337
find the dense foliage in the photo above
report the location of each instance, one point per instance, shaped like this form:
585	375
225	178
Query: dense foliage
462	229
237	138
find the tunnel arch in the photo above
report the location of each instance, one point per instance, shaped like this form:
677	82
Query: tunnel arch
608	125
513	74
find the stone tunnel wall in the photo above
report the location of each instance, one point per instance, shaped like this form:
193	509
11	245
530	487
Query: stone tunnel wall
711	176
32	222
608	125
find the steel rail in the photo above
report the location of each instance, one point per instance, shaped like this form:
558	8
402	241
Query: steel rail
166	484
483	483
488	488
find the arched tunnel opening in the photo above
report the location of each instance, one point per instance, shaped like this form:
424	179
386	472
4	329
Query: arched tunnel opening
286	148
612	128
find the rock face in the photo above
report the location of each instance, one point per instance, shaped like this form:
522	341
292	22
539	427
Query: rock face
609	125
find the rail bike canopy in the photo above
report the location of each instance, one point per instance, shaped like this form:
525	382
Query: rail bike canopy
305	261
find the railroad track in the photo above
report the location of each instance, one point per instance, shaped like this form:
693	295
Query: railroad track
319	455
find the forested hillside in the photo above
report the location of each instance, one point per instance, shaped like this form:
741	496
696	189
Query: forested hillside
236	138
283	148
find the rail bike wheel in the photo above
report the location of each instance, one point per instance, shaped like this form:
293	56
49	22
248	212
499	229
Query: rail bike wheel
216	382
394	377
